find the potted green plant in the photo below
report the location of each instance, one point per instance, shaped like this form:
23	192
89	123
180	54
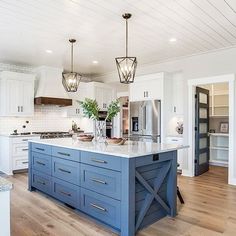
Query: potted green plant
91	110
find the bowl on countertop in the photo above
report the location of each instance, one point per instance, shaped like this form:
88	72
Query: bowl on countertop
85	137
116	141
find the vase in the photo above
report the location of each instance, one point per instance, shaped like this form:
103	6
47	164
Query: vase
100	131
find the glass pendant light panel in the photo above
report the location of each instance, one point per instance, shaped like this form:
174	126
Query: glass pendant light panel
126	67
71	81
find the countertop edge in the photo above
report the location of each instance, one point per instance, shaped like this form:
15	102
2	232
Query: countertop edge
178	147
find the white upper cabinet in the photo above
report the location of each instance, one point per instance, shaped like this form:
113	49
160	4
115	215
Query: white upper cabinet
16	94
75	110
103	94
148	87
177	93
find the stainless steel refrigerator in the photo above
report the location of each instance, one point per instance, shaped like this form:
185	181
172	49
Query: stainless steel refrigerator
145	121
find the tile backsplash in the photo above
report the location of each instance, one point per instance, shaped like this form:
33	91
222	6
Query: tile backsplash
46	118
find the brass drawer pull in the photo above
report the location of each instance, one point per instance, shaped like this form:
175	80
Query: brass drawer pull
40	149
99	181
40	163
98	161
63	154
66	171
97	207
39	182
67	194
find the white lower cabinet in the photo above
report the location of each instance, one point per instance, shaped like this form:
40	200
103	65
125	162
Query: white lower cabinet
14	153
178	141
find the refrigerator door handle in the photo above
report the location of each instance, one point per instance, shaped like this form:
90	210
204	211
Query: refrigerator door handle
144	117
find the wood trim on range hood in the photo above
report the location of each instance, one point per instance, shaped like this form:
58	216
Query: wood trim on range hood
53	101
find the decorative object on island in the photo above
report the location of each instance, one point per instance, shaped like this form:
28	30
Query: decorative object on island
179	128
70	80
91	110
224	127
126	66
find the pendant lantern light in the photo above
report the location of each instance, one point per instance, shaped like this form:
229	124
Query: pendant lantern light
126	66
70	80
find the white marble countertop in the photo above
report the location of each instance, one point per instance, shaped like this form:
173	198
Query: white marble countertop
129	149
5	185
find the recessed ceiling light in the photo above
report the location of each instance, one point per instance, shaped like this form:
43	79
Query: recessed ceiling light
95	62
48	51
172	40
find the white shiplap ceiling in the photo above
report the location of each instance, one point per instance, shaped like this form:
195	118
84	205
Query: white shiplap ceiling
29	27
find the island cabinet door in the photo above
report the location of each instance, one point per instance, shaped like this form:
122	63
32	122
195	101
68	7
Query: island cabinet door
66	192
66	170
102	208
100	180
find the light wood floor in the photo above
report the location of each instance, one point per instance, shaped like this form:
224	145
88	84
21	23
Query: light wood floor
210	210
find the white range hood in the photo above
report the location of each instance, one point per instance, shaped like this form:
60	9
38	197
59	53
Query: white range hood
49	88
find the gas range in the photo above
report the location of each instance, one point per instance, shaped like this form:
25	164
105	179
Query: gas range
56	134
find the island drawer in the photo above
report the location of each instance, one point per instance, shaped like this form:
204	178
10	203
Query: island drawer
100	180
66	192
101	160
42	182
66	170
102	208
42	162
41	148
152	159
66	153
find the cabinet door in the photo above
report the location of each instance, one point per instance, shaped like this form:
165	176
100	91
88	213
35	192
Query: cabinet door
99	97
13	98
153	89
107	98
75	110
27	94
137	91
178	100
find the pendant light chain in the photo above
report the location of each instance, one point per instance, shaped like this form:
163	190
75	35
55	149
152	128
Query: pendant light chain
72	61
126	37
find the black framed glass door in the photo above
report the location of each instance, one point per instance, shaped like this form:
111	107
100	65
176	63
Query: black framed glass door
202	154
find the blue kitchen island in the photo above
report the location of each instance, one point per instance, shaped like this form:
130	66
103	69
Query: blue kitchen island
125	188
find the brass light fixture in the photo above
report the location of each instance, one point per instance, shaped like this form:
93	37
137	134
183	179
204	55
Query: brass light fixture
126	66
70	80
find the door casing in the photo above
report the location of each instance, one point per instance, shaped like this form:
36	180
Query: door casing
230	79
